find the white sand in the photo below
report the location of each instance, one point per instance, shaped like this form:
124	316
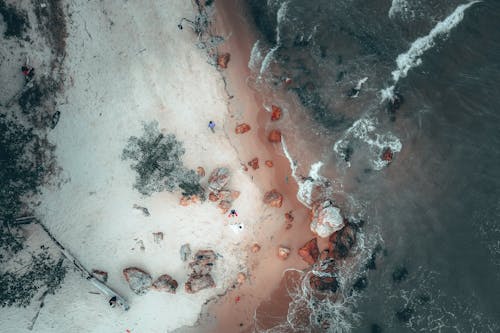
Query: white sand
127	62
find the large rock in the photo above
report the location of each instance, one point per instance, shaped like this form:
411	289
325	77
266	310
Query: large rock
273	198
138	280
196	283
325	218
242	128
203	262
310	251
218	179
342	241
165	283
274	136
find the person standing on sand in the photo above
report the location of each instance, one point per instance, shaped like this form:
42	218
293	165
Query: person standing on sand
233	213
211	125
112	302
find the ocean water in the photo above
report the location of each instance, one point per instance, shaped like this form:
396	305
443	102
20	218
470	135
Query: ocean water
428	256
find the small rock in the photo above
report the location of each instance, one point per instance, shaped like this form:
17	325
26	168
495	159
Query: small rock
100	275
276	113
289	217
138	280
242	128
241	278
283	252
55	119
165	283
288	81
310	251
223	59
187	200
218	179
254	163
274	136
200	171
269	163
143	210
255	248
196	283
273	198
185	252
244	167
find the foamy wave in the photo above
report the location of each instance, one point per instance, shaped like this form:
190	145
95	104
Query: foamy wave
280	18
364	130
411	58
255	57
398	7
267	60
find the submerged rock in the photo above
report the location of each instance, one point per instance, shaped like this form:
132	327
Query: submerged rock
325	218
342	241
138	280
196	283
274	136
165	283
254	163
273	198
218	179
242	128
310	251
324	278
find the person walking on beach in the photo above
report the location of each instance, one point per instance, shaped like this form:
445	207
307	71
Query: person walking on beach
233	213
211	125
112	302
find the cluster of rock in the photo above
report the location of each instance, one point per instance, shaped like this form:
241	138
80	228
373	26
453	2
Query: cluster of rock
200	277
217	183
141	282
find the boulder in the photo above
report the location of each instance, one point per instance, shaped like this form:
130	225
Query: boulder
274	136
254	163
185	252
269	164
242	128
157	237
203	262
273	198
200	171
342	241
310	251
283	252
387	154
325	218
255	248
100	275
213	197
138	280
223	59
196	283
165	283
276	113
218	179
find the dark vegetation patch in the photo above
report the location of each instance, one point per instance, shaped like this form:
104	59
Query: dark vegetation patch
41	273
157	160
38	101
16	21
52	21
375	328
